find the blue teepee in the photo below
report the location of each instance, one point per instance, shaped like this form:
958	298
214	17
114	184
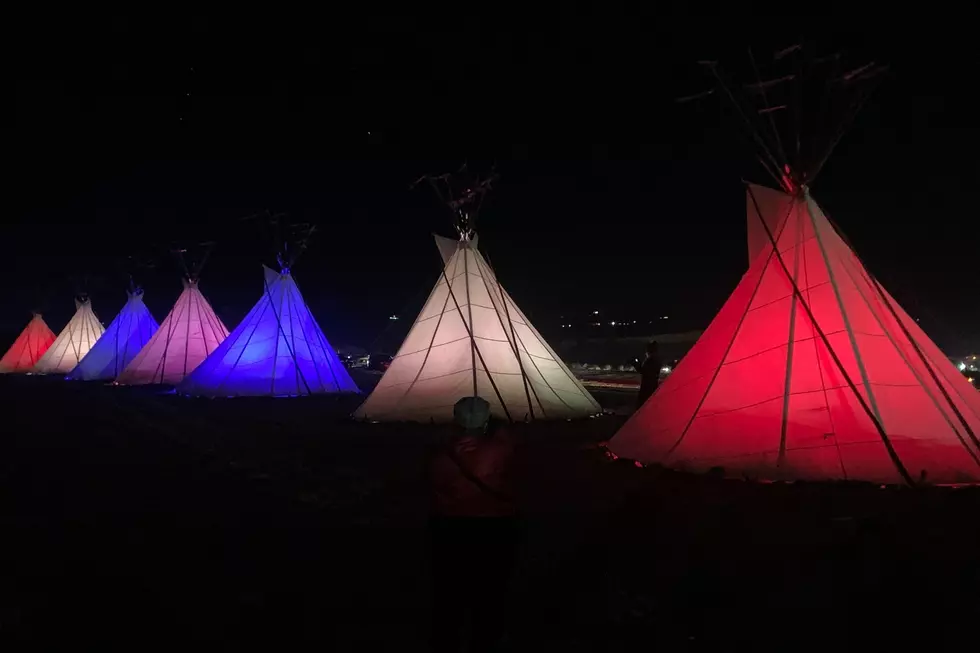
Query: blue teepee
277	350
125	337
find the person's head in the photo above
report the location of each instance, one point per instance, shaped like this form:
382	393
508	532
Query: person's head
472	414
652	348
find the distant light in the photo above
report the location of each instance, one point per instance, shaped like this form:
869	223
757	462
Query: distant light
664	317
595	312
613	323
634	321
665	369
970	379
392	317
962	367
595	324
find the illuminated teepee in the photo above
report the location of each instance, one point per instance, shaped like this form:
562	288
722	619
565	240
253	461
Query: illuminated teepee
472	339
125	337
73	343
189	333
29	346
277	350
811	370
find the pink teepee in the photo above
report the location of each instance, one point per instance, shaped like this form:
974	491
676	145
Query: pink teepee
186	336
811	370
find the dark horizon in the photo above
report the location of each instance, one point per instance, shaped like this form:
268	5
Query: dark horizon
611	196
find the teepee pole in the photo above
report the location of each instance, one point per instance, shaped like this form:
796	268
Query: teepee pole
853	275
792	343
476	351
922	356
714	375
823	337
292	336
290	349
513	335
187	331
469	310
891	309
318	332
171	328
248	340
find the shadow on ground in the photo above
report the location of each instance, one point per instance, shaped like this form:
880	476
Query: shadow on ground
151	521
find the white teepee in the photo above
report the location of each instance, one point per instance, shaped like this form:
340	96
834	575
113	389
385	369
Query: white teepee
123	339
277	350
74	341
186	336
472	339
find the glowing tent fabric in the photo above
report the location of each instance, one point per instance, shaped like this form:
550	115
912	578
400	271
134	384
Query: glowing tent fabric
29	346
831	380
277	350
472	339
189	333
74	341
122	340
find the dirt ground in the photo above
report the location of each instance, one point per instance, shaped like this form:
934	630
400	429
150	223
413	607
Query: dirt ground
152	521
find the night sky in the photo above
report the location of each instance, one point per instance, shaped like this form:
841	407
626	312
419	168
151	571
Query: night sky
129	136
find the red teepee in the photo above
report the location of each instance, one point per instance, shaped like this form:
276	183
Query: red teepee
810	371
29	346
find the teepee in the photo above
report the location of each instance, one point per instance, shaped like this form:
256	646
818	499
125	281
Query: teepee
811	370
73	343
122	340
29	346
472	339
186	336
277	350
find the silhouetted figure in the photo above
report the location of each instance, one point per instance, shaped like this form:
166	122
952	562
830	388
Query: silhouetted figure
474	531
649	370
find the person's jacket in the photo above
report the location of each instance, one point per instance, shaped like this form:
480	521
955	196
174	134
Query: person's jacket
456	466
650	378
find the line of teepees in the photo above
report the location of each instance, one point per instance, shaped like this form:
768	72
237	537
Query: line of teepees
469	339
810	370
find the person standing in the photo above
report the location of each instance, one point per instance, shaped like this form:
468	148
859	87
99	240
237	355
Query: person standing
649	374
473	530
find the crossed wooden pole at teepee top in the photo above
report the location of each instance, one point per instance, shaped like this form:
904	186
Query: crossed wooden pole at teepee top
781	156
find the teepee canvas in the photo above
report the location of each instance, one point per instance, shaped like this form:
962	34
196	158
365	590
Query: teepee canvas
811	370
125	337
472	339
29	346
277	350
74	341
186	336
